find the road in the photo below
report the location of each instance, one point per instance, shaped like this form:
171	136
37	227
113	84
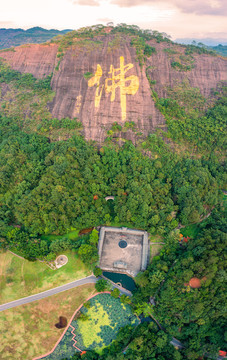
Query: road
87	280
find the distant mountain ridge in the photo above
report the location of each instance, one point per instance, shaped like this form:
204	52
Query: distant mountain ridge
206	41
37	35
218	45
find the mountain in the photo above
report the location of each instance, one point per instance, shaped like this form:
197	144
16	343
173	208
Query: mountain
206	41
16	37
220	49
102	75
217	45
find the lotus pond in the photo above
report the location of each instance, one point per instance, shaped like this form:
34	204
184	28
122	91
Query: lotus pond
95	326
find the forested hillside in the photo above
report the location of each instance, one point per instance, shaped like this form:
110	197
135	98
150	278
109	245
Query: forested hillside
167	174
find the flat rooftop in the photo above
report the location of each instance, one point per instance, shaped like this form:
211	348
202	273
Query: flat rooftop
123	250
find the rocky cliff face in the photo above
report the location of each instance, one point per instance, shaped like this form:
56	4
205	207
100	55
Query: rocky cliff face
39	60
100	81
206	70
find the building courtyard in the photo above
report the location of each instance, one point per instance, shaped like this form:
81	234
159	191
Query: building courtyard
123	250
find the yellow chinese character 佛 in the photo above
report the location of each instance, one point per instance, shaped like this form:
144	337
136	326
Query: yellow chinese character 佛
118	79
95	80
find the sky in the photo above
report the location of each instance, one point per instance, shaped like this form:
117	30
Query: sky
178	18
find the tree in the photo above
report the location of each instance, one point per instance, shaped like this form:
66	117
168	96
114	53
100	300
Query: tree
101	285
50	257
97	271
94	237
88	253
62	322
115	293
125	299
60	245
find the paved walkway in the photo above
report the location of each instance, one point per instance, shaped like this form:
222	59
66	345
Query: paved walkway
42	295
87	280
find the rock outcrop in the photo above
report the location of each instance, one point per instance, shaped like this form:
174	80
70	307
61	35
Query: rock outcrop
101	83
39	60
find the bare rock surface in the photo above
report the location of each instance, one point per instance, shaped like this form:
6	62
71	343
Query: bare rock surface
118	89
207	71
37	59
75	98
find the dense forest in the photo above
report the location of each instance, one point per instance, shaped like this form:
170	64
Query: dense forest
53	187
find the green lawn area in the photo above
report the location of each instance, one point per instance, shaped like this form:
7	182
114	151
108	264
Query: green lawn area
155	250
190	230
106	316
20	277
155	247
156	238
71	235
194	229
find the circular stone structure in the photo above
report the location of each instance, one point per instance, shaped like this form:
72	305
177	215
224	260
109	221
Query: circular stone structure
60	261
122	244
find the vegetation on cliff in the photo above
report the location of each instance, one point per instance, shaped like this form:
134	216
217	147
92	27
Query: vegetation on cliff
190	117
26	104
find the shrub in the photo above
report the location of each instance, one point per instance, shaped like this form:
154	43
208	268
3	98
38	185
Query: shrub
88	75
178	66
149	50
97	271
101	285
115	293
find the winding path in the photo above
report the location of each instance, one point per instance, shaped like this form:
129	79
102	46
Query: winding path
87	280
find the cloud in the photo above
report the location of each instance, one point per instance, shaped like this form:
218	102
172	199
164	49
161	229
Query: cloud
86	2
201	7
105	20
7	24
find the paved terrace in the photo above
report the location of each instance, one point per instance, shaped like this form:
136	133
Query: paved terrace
131	259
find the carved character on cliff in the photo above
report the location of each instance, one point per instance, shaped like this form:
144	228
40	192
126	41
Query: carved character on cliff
117	79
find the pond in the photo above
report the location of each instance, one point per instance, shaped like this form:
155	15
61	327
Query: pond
126	281
93	327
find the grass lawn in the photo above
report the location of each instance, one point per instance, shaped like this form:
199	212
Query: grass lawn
194	229
29	330
156	238
71	235
155	250
191	230
156	247
20	278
